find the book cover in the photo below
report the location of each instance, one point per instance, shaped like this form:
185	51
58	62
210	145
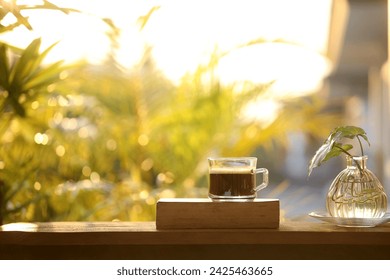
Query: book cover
199	213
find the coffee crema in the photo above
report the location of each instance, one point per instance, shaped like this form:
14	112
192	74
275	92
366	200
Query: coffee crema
226	183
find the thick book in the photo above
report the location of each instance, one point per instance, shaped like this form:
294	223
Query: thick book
199	213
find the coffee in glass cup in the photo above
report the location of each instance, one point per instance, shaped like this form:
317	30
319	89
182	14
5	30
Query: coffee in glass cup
234	178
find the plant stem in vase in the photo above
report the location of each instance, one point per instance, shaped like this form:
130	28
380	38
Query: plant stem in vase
356	192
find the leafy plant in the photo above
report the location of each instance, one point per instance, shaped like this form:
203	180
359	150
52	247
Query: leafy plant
332	147
23	78
25	83
107	142
11	7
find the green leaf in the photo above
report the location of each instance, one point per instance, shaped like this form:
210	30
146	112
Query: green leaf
3	12
44	77
49	5
364	136
27	74
21	19
336	151
143	20
14	8
350	131
322	152
24	64
4	67
45	6
39	59
332	146
110	23
9	27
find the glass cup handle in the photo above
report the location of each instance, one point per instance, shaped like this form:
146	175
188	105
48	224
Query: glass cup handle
265	178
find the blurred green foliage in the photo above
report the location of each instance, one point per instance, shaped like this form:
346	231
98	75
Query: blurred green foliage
87	142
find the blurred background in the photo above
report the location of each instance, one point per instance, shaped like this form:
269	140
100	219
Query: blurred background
108	106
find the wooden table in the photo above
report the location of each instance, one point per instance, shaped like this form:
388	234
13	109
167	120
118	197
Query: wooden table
141	240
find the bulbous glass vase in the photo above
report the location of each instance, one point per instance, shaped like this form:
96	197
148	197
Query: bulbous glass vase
356	192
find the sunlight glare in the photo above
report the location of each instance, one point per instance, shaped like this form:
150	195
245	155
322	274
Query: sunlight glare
29	227
293	69
183	34
264	111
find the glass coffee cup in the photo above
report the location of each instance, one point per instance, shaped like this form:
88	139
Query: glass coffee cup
234	178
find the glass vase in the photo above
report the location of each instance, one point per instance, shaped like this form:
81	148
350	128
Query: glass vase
356	192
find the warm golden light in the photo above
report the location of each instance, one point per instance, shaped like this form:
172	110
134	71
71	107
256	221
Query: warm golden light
295	70
41	138
183	34
30	227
